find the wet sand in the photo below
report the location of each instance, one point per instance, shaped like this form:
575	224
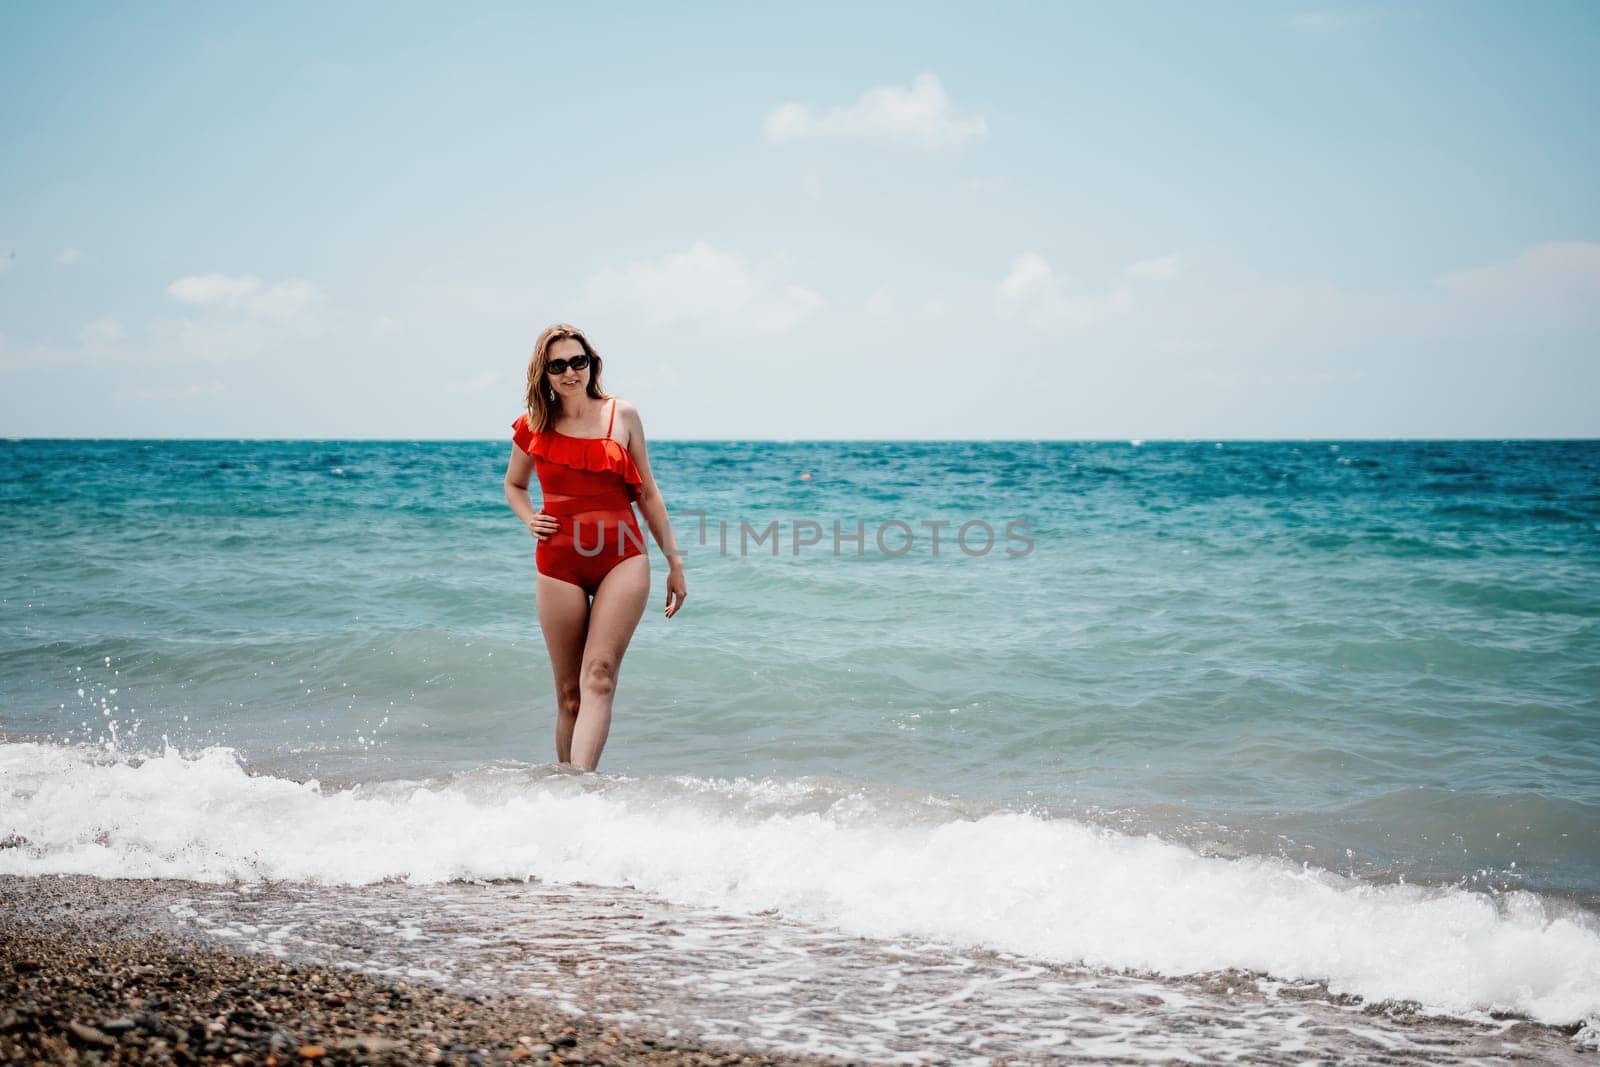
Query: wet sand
84	979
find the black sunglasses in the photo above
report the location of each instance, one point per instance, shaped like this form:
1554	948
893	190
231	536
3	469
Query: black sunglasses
559	366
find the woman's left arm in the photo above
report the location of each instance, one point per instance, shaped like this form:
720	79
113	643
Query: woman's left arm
653	507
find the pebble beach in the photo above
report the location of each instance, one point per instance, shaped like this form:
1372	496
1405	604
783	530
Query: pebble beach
84	980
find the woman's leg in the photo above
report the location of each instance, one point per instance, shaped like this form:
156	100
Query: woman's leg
564	618
618	604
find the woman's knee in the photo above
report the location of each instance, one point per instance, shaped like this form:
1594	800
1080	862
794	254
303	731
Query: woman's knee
600	675
568	698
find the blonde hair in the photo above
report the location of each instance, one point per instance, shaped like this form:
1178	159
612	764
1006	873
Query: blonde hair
541	398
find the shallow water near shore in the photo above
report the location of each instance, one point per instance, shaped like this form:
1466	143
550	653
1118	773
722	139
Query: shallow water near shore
757	982
1321	712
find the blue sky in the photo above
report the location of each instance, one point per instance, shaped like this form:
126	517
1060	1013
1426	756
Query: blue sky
1055	220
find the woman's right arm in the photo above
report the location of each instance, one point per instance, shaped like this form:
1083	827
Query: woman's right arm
518	473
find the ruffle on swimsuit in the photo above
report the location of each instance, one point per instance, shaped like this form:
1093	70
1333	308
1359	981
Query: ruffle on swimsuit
579	453
590	484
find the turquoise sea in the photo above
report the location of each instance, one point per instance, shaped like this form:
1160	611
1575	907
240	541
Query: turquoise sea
1322	713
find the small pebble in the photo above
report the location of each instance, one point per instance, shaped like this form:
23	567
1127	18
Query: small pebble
90	1035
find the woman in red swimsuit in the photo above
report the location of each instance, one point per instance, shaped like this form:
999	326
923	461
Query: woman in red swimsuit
588	451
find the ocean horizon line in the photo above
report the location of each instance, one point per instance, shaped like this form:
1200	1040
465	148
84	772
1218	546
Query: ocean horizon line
1119	440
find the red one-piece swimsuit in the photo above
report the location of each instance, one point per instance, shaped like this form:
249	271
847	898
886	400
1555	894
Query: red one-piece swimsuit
589	484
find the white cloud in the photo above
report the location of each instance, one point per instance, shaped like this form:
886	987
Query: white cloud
718	290
1545	290
212	289
921	115
68	257
1033	293
285	302
1569	268
291	302
1547	287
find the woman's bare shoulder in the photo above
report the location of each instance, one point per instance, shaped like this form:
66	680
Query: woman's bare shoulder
632	428
627	414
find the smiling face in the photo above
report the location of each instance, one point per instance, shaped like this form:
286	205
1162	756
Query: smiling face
558	345
570	382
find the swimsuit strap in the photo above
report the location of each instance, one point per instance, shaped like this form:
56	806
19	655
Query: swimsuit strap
612	420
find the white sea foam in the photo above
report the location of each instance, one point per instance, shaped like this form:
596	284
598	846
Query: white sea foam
870	864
